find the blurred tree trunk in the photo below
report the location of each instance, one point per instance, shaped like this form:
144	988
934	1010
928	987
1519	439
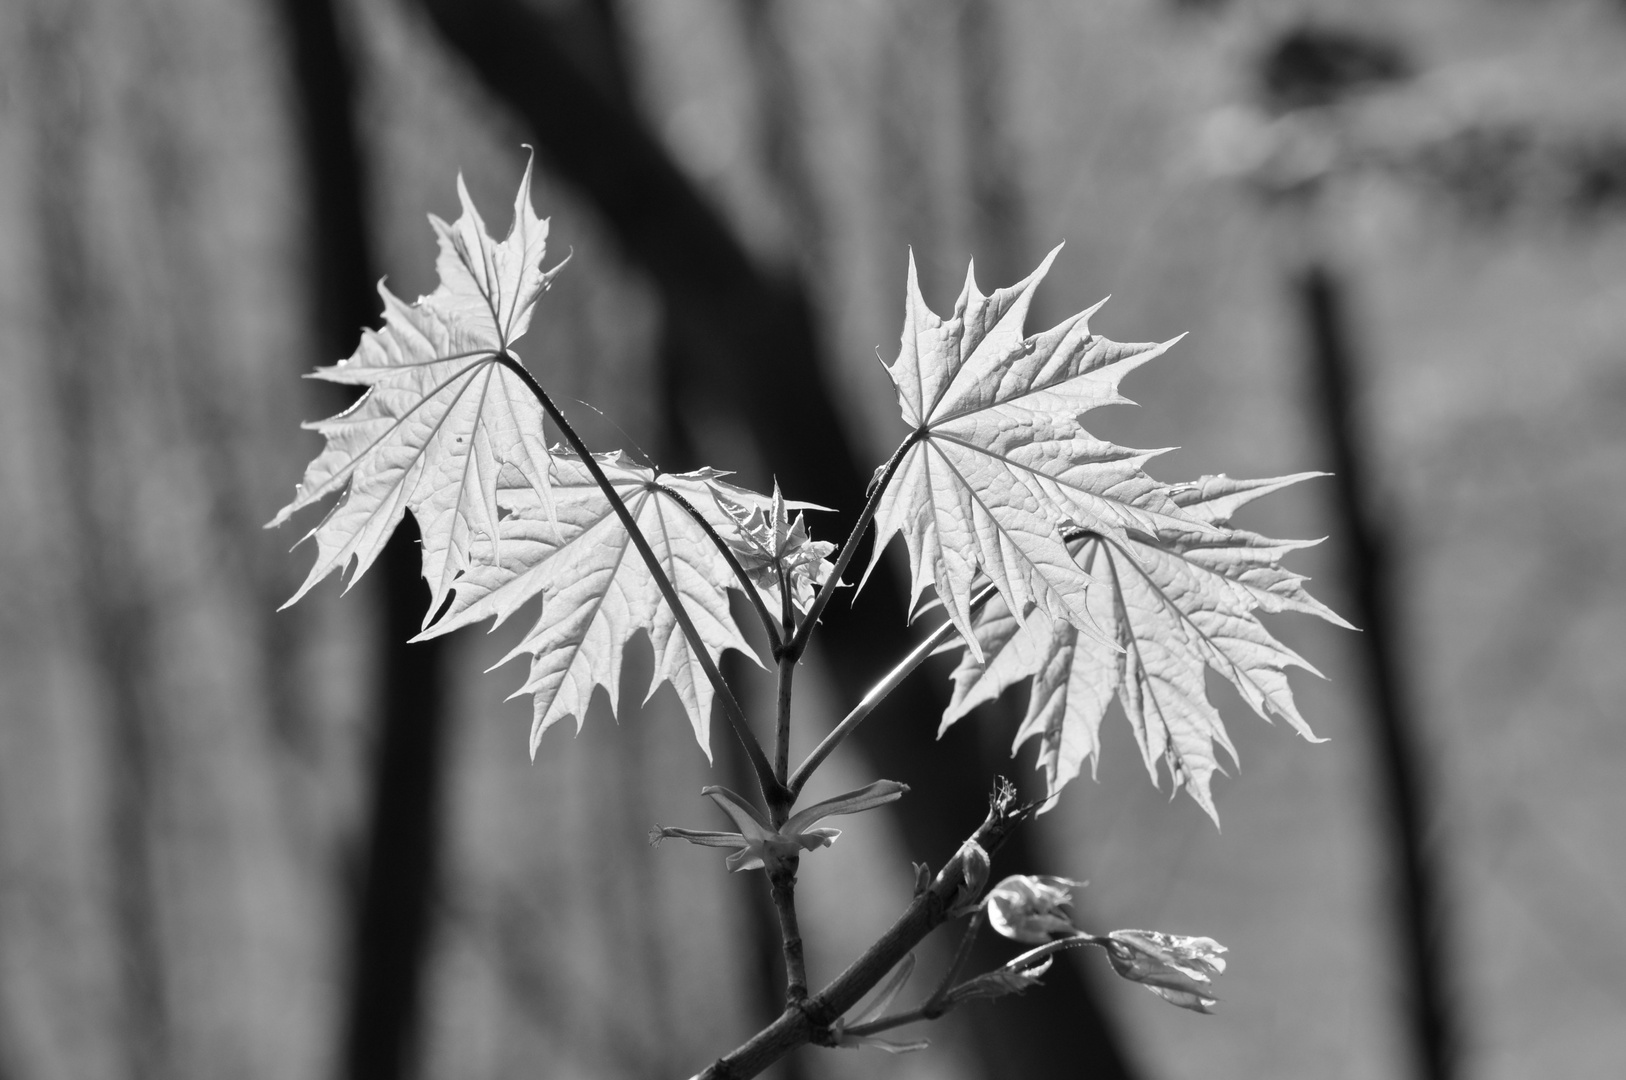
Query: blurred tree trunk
1309	69
749	347
392	904
779	125
115	630
1368	566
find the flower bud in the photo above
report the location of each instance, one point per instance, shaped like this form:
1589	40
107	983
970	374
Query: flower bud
1032	909
974	867
1178	969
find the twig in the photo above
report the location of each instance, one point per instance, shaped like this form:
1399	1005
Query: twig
782	885
809	1021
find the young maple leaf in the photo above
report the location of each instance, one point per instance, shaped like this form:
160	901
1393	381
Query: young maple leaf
1000	466
441	415
597	592
768	544
1174	606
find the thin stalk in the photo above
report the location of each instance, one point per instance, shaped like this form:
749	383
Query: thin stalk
787	612
939	1003
1028	958
962	954
878	694
768	626
896	1020
772	790
799	643
781	746
787	673
782	885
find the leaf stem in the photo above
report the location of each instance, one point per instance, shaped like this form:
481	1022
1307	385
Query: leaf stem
768	625
940	1002
935	1006
1032	956
779	811
787	673
877	694
772	789
798	644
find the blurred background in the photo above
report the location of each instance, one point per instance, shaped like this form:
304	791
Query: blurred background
237	842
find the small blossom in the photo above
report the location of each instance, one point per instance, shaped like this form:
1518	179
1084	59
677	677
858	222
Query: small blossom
1032	909
1178	969
759	845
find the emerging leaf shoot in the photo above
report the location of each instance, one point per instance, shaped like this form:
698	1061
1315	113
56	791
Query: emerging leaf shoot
772	547
1178	969
759	845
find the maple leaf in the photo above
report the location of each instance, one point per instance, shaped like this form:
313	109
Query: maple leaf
999	465
1174	605
442	414
596	591
771	547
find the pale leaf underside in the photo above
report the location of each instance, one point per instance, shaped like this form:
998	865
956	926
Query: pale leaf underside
597	593
1001	467
1174	607
441	416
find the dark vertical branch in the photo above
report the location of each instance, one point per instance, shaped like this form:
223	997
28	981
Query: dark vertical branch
392	911
1419	896
117	621
745	339
779	127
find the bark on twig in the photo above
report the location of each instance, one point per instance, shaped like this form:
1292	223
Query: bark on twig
809	1020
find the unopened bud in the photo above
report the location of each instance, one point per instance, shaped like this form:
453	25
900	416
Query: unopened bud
1032	909
974	867
1178	969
